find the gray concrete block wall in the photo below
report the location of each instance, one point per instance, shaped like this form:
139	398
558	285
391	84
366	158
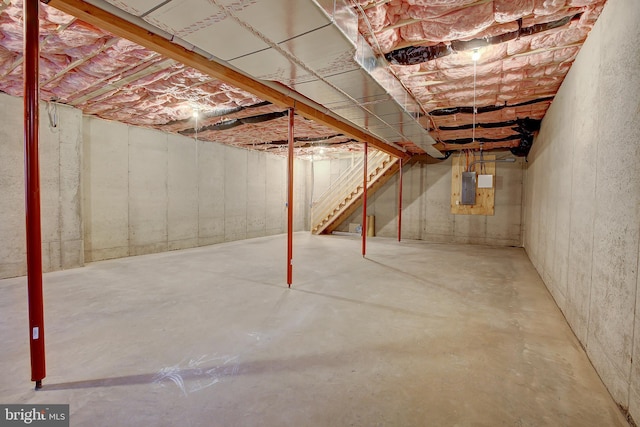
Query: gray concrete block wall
582	200
60	196
147	191
426	207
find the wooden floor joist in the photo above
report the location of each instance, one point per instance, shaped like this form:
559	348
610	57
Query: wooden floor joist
125	29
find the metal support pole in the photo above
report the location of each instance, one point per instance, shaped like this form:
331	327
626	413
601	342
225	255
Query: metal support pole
290	203
32	190
364	201
400	204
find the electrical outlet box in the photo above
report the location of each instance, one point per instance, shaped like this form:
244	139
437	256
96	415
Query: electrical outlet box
468	193
485	181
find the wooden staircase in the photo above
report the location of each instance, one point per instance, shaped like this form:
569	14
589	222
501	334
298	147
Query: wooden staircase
345	195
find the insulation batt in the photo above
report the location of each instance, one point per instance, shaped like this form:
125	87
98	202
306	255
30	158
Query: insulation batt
548	7
542	19
519	70
377	17
458	24
443	20
386	39
512	10
494	30
152	99
528	68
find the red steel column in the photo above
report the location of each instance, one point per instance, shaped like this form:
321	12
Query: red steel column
32	190
400	205
290	203
364	201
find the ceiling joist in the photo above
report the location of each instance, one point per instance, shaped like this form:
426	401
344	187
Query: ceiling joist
79	62
163	65
20	59
122	28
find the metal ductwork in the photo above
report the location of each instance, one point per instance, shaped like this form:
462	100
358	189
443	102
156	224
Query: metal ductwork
311	46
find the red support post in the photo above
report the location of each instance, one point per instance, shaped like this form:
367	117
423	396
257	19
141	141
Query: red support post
290	203
364	201
32	190
400	204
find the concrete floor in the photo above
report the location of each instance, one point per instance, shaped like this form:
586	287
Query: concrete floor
416	334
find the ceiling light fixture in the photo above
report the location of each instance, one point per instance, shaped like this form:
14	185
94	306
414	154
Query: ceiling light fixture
475	55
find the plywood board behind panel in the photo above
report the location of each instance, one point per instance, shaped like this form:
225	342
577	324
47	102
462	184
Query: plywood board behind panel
485	197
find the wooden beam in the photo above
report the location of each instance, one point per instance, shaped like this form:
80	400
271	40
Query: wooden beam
125	29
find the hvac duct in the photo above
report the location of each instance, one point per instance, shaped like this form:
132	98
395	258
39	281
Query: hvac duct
312	47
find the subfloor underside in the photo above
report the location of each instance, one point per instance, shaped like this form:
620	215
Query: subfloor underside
415	334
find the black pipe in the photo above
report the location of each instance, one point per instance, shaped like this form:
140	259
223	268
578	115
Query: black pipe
412	55
486	109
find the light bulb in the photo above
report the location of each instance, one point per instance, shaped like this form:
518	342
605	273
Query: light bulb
475	55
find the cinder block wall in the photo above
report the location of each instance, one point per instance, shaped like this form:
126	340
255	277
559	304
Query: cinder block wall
582	200
426	213
147	191
61	199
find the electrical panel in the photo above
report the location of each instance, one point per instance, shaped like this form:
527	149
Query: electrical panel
468	193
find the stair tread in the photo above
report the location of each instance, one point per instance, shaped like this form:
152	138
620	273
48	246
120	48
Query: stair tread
379	171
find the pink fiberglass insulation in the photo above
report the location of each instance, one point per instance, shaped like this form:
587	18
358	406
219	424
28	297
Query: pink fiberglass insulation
268	135
458	24
512	10
495	29
526	48
377	17
116	79
521	67
444	21
548	7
